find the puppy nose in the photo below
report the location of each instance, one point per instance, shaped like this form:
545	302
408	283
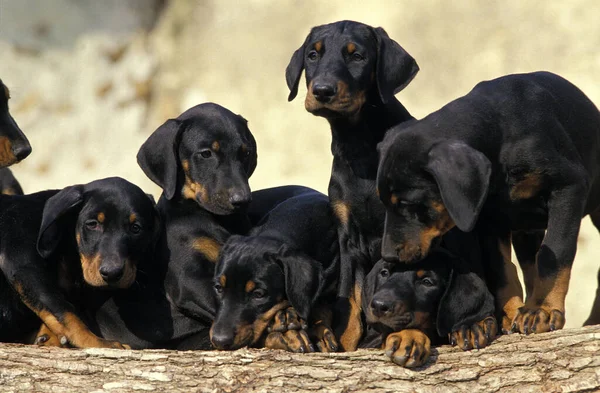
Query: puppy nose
222	341
111	273
381	307
323	92
21	151
239	199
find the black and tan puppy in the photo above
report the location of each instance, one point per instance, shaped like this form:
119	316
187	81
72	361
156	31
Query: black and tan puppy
352	73
94	235
202	160
290	258
14	145
517	153
437	299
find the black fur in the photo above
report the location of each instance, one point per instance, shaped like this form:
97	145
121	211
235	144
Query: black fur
520	154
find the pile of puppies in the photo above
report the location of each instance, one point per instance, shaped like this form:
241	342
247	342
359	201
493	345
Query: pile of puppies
411	246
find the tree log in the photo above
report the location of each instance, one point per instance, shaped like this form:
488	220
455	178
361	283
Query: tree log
562	361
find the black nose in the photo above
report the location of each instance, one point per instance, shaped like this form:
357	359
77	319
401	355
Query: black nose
381	307
323	92
240	199
222	341
111	273
21	151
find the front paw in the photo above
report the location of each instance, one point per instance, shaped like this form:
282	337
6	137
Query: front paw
408	348
286	319
537	320
324	337
46	338
478	335
292	341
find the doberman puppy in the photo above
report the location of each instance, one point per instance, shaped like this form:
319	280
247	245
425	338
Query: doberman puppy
8	183
94	235
14	145
290	258
436	299
202	160
352	73
517	153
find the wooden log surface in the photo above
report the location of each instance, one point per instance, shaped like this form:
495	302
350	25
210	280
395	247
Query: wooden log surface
562	361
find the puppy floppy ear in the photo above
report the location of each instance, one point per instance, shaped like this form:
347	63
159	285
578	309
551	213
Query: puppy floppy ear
463	177
293	72
303	279
370	284
55	210
395	67
466	301
252	160
158	156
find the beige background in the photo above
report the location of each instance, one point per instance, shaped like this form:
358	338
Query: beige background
90	80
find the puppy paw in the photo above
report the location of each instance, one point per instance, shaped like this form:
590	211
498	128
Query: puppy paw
478	335
46	338
286	319
292	341
324	337
408	348
537	320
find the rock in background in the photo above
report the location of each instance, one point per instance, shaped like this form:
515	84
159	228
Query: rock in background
90	80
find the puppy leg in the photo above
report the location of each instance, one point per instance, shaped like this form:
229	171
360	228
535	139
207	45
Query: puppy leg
502	278
545	310
408	348
41	295
527	244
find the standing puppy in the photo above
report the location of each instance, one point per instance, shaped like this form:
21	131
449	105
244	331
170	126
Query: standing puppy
202	160
14	145
518	153
352	73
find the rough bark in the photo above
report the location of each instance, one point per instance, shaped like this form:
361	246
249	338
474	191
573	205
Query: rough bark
563	361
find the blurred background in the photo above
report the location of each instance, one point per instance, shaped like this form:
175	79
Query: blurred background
90	80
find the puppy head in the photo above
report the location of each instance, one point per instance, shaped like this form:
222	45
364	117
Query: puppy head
438	294
254	278
114	224
345	62
397	297
8	183
427	189
14	145
207	155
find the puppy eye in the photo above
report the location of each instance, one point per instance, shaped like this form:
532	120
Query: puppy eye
92	225
427	282
206	153
312	55
357	56
135	228
384	273
218	288
259	293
